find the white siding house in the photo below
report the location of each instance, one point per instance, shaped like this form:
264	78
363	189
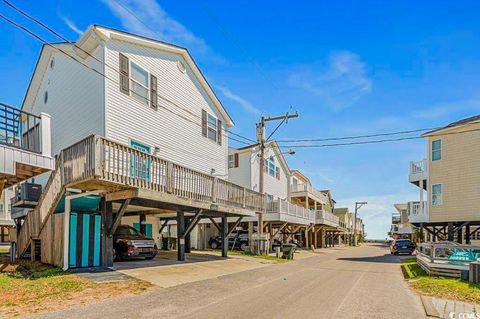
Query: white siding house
164	111
244	170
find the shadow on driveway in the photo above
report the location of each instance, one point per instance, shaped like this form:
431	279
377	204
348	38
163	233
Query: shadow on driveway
165	258
386	258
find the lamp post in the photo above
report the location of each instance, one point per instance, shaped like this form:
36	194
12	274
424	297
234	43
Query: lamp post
358	205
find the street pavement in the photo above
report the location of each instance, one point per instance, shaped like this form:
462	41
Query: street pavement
352	282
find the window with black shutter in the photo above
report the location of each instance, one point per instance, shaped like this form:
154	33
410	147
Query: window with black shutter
124	74
153	92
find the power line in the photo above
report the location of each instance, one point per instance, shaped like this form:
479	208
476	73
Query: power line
356	136
374	141
31	33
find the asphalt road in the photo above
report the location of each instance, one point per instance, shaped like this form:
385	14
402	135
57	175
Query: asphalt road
362	282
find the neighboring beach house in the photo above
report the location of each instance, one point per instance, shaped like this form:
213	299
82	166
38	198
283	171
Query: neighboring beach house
158	126
448	182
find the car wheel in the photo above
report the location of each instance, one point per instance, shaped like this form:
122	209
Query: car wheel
115	257
243	247
214	245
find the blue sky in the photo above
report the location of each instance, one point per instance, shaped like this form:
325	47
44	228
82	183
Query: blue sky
347	67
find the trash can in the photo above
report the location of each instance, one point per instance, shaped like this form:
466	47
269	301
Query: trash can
288	250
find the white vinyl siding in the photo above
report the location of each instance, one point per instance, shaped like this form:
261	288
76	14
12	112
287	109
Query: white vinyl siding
436	150
75	99
437	194
175	127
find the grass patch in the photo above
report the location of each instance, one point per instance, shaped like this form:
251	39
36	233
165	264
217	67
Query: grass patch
267	257
442	287
32	287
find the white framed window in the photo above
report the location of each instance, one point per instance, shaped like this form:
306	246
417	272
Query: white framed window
139	82
270	167
436	150
269	198
212	127
231	161
437	194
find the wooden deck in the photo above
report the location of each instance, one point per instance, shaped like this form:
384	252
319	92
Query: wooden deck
120	172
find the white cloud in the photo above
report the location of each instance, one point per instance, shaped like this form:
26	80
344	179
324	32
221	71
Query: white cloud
377	214
148	18
246	106
340	83
71	25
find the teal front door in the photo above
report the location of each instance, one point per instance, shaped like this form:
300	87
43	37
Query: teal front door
148	229
139	165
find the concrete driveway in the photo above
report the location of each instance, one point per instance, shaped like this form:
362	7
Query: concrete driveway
362	282
165	271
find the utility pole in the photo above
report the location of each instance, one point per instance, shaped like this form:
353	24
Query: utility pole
358	205
261	142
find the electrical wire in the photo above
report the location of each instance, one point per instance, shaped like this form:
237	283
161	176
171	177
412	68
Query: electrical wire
375	141
356	136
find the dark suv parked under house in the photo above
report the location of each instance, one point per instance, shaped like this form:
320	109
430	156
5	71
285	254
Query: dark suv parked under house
236	240
129	243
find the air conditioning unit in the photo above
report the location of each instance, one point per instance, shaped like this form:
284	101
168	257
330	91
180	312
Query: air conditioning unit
27	194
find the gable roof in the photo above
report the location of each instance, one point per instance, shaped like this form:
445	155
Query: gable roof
340	211
89	41
275	147
472	119
299	174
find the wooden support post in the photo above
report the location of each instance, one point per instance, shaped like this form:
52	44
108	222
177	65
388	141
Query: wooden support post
224	234
163	226
188	241
180	236
467	235
250	236
434	239
459	235
142	219
235	225
450	232
106	238
118	217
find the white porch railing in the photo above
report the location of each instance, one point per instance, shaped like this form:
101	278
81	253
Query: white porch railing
418	171
309	189
323	216
283	207
449	253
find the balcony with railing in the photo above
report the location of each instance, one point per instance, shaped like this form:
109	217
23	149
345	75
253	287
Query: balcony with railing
25	145
326	218
301	190
418	212
418	172
282	211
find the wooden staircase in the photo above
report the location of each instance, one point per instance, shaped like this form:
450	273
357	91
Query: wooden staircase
34	222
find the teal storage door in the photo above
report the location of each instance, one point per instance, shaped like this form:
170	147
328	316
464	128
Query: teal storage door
84	241
148	229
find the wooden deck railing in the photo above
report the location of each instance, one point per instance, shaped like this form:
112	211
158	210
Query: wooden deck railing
35	220
283	207
324	216
122	164
100	158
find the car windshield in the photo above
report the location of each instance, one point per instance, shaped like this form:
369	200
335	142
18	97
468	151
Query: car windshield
127	230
